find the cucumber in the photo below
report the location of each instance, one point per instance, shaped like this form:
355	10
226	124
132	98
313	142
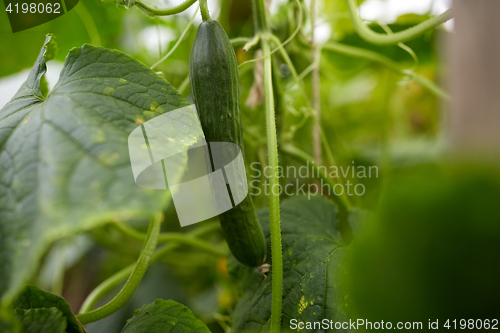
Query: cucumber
213	75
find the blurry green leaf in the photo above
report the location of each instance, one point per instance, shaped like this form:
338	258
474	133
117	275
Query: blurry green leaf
8	321
44	320
64	161
312	258
32	297
431	250
164	317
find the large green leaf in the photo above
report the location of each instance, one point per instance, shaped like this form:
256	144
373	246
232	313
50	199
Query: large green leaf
312	256
64	160
164	317
43	320
32	297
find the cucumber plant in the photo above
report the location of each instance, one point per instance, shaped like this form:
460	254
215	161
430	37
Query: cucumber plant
65	171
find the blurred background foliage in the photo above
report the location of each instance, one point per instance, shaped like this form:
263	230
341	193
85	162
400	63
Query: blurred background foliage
371	116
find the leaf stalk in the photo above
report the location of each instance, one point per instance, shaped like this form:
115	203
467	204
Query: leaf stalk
134	279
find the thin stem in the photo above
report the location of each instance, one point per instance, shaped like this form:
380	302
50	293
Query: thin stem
274	199
88	23
316	100
291	66
328	149
181	38
399	37
182	89
261	26
157	20
106	286
103	288
164	12
205	15
402	46
308	70
174	237
274	210
240	41
259	16
381	59
134	279
279	44
254	41
298	82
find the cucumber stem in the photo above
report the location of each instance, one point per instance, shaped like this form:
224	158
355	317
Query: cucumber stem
205	15
274	198
174	237
261	26
164	12
107	285
134	279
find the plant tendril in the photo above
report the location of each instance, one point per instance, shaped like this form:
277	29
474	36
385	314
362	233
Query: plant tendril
181	38
118	277
157	12
281	45
399	37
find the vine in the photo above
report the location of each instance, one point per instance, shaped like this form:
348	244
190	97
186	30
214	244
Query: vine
173	237
262	27
181	38
274	93
263	36
111	282
204	10
134	279
399	37
361	53
280	46
164	12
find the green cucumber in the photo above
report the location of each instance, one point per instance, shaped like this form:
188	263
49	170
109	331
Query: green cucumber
213	75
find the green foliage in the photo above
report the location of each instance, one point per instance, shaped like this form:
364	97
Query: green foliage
430	250
65	169
64	158
35	299
22	47
38	311
164	317
43	320
313	253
